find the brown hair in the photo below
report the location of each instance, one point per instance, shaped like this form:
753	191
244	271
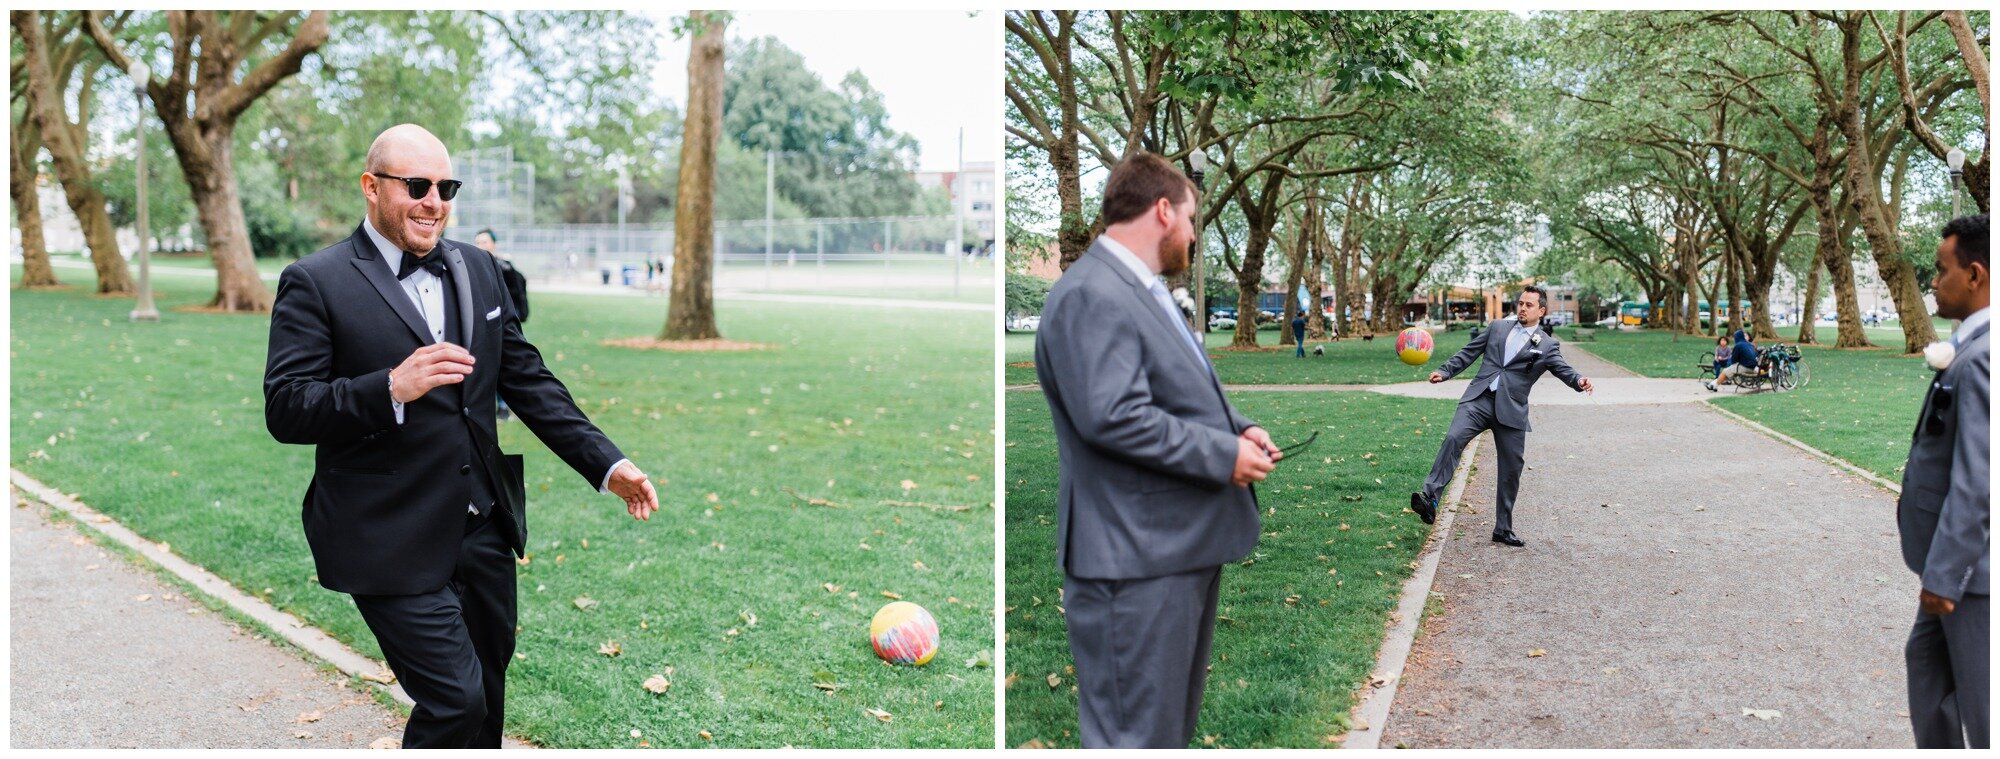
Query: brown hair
1137	183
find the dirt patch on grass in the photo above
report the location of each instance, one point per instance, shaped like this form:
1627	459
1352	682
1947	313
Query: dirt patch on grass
1023	365
686	346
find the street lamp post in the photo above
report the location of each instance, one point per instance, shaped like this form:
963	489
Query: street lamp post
1198	161
1955	160
145	311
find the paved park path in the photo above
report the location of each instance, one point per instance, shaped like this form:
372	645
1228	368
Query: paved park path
103	654
1680	569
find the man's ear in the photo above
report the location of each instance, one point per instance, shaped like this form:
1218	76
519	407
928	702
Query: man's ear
1164	208
369	185
1978	275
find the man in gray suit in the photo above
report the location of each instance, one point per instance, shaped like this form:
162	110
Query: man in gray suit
1154	493
1942	513
1516	352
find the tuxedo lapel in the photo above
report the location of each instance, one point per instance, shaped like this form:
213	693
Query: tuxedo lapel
461	280
392	292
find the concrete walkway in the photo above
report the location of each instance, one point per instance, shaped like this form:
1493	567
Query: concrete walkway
102	654
1680	570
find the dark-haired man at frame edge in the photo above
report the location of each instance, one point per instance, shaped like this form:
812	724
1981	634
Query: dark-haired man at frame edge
1154	489
1515	352
1942	512
387	350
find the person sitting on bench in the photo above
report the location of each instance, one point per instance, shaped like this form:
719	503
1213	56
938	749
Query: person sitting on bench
1742	357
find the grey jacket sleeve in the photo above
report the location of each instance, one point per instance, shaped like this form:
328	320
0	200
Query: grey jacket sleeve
1465	356
1561	368
1100	370
1958	548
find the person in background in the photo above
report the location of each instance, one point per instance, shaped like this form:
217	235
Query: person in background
1742	358
1721	354
1299	332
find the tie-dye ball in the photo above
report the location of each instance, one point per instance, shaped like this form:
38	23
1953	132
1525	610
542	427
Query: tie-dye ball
904	633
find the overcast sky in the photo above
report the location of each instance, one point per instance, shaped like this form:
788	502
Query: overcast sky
937	70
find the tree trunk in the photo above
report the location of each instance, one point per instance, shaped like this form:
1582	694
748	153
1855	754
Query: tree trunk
66	152
1978	174
1316	275
1809	307
35	268
1250	285
219	207
1296	258
1864	191
691	304
1835	224
1074	232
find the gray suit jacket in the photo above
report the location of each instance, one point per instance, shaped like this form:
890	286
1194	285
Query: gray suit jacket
1145	438
1942	513
1517	377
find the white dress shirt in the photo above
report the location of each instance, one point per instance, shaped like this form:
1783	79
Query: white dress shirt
1516	338
1977	318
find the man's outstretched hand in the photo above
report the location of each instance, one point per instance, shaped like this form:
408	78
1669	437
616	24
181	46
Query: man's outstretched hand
1587	387
629	483
1437	377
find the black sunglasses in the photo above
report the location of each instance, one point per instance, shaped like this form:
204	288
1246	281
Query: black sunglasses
419	187
1296	447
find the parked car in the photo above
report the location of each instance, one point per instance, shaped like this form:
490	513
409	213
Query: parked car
1607	322
1218	323
1024	323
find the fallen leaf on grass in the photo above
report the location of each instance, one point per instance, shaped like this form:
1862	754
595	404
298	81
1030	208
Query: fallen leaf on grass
611	648
825	681
657	684
909	486
1764	714
980	660
830	587
892	595
585	603
879	714
1054	681
705	735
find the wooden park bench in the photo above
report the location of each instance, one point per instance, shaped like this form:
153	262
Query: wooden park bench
1586	333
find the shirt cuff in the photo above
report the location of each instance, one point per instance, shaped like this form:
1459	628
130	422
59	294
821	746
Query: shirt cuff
605	486
394	404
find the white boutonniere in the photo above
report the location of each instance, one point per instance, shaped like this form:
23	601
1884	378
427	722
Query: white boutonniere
1535	338
1939	355
1182	299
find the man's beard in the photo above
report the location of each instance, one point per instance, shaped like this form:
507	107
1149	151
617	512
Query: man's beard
1174	256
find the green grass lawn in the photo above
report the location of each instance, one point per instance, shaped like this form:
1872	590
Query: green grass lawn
1347	362
1860	405
1302	617
747	592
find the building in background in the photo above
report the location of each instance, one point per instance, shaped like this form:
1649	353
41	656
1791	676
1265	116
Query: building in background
979	184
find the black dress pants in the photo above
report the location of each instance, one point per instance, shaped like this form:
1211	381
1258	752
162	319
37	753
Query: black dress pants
450	647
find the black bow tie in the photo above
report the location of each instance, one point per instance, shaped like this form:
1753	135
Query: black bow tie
412	262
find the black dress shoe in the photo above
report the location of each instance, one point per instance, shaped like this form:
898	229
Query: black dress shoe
1425	508
1508	538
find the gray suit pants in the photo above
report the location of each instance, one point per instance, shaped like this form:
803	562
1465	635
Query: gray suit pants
1141	649
1473	417
1949	689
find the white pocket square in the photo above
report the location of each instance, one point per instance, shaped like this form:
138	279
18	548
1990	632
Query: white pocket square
493	314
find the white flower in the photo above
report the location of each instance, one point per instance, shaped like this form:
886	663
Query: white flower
1182	298
1535	338
1939	355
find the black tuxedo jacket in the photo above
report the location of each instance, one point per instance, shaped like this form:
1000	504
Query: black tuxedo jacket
386	508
